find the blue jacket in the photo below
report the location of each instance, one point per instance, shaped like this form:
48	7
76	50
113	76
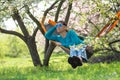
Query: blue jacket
70	39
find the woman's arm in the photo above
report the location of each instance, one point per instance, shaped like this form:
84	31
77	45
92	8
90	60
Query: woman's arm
49	34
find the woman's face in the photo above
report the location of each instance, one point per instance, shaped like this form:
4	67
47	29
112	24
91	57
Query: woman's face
60	27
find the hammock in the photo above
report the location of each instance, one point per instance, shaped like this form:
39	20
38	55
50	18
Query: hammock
105	30
45	28
110	25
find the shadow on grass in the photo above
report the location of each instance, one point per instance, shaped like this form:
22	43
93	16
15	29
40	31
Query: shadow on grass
105	58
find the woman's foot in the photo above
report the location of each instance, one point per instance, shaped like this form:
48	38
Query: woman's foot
78	60
75	61
71	62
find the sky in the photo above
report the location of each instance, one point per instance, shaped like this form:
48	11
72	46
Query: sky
10	24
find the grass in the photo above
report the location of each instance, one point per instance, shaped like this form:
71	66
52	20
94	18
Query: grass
59	69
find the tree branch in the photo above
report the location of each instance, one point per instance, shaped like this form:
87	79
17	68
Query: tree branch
68	12
110	44
93	24
12	33
35	32
45	13
58	10
114	41
35	20
102	49
17	17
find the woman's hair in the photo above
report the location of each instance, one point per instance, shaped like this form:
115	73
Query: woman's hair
65	24
62	22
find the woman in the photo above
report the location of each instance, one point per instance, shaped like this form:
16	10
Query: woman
68	39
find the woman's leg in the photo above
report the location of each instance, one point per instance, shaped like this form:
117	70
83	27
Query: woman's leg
82	53
73	52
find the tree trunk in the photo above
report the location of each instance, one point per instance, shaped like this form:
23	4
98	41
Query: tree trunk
33	51
48	54
46	45
29	40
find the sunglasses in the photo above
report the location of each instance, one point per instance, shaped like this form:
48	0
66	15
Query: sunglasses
59	25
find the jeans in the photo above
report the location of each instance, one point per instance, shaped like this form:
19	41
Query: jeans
78	52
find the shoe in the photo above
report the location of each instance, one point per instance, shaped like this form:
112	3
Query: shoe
71	62
77	61
70	59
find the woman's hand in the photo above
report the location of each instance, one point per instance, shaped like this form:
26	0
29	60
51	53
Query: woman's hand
58	43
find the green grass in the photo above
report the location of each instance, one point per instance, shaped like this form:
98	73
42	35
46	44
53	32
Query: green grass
59	69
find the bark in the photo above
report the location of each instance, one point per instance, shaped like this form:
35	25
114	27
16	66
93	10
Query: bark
33	51
48	54
46	45
58	10
35	20
12	33
17	17
68	13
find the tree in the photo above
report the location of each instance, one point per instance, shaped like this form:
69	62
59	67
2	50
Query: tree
20	12
25	35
